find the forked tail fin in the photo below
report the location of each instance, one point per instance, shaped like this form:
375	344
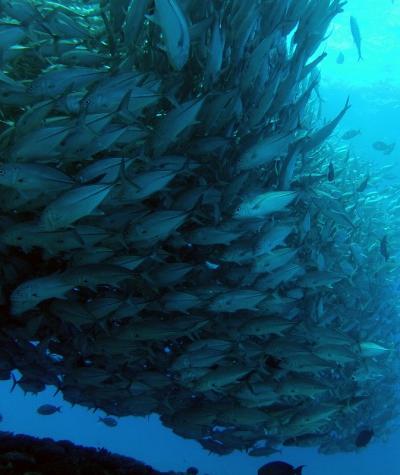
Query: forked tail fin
298	470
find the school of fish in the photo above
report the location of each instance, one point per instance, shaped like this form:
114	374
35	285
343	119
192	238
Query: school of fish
181	235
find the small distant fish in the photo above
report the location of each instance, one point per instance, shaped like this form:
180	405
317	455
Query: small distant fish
364	437
211	265
264	204
369	348
386	148
340	58
279	468
350	134
355	31
48	409
263	451
363	185
192	471
381	146
331	172
384	248
108	421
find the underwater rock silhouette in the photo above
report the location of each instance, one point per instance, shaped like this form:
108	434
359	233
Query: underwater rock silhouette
20	454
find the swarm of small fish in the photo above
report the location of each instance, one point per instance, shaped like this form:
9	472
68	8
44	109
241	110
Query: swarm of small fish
177	234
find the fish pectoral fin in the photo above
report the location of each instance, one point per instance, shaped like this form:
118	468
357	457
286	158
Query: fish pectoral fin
126	179
153	19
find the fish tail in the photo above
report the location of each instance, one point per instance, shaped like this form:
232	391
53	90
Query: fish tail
298	470
15	382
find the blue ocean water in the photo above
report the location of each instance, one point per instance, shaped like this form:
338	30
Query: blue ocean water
373	85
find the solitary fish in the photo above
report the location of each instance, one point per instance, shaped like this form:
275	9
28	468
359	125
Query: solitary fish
386	148
279	468
263	451
350	134
364	437
331	172
384	248
355	31
340	58
363	185
108	421
48	409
